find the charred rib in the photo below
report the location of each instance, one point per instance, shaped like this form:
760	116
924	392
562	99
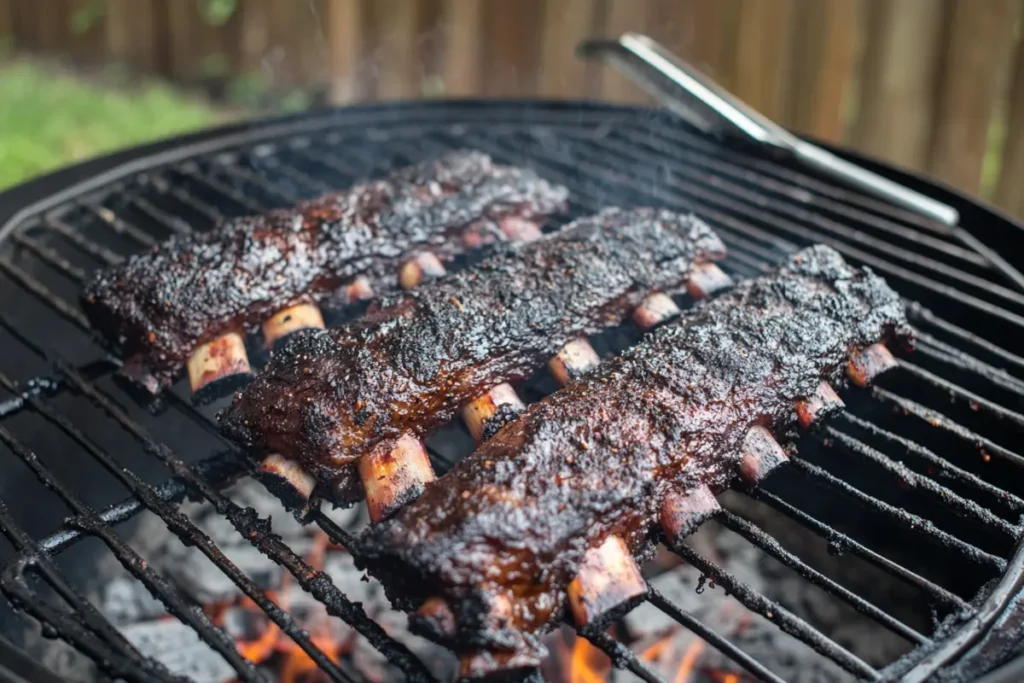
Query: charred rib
161	305
415	360
671	421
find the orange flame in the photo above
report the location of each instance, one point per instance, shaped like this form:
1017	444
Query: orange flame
689	659
587	663
574	658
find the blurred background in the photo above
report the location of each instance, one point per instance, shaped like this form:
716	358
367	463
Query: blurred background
933	85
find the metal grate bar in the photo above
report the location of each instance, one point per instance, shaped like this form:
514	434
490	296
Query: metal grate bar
919	314
622	656
36	562
940	421
257	531
712	638
122	660
769	545
951	388
174	224
98	252
181	527
806	190
324	160
797	197
945	469
754	205
740	249
119	226
776	613
700	194
930	347
966	508
316	185
221	469
924	526
237	171
39	290
811	183
51	257
844	543
725	225
211	212
246	203
131	561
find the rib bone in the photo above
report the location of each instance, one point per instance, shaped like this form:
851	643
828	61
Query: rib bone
682	514
288	481
424	265
706	279
868	363
573	360
222	361
654	310
484	414
291	319
761	454
608	578
823	403
518	229
358	290
393	474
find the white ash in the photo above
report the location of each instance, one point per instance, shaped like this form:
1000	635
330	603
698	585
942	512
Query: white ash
126	601
204	582
179	648
685	587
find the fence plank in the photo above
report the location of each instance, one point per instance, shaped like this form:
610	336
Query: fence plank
51	24
511	46
621	16
23	22
761	40
463	51
308	43
703	33
343	27
981	35
254	36
1010	191
395	48
6	23
131	34
196	50
821	66
85	42
898	79
565	24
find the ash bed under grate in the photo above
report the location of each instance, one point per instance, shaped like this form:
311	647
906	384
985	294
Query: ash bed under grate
919	479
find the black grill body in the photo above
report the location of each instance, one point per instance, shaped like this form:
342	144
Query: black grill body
920	477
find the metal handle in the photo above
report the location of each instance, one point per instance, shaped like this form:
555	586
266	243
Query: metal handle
696	98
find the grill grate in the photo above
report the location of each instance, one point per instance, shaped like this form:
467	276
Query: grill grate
943	427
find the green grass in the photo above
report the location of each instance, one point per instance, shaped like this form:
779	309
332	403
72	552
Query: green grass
49	119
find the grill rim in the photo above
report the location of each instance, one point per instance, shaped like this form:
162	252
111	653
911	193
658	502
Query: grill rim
39	195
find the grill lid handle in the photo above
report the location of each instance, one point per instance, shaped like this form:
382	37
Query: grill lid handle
688	93
694	97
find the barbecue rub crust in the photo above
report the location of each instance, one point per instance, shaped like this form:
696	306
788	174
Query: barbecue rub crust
412	362
500	537
158	306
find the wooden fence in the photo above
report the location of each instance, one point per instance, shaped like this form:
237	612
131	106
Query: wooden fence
936	85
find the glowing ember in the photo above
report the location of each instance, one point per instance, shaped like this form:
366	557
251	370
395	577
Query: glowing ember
670	651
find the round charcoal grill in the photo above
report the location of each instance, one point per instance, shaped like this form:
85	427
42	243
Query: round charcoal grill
921	477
